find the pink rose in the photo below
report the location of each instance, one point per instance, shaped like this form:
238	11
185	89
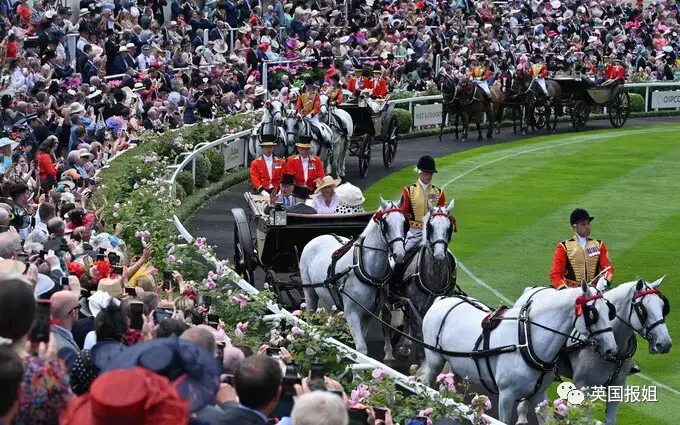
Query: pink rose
378	374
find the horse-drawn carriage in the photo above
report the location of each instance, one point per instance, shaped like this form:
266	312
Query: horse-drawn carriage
276	246
371	124
578	97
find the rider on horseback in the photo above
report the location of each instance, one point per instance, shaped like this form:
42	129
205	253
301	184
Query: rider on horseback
480	74
416	197
539	71
309	104
582	258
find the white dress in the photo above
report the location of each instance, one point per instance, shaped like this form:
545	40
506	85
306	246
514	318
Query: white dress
321	207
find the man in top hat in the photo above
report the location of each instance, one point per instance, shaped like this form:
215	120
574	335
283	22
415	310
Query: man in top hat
266	172
580	258
285	194
308	104
306	168
416	198
366	81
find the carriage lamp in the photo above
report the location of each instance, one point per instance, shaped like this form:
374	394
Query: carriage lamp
278	215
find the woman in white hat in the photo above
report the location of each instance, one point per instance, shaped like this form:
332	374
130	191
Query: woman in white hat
327	201
351	199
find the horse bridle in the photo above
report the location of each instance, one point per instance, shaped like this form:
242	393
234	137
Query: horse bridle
452	221
379	217
591	315
641	312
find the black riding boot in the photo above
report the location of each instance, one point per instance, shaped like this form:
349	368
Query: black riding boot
635	368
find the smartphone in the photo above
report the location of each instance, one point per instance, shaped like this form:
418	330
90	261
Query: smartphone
113	258
43	253
318	371
380	413
213	320
358	416
63	281
207	300
131	292
291	379
273	351
101	251
136	313
162	314
117	270
167	280
42	322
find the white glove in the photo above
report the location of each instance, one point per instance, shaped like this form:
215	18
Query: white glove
264	193
602	284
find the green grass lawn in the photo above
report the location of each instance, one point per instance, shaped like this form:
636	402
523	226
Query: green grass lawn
512	207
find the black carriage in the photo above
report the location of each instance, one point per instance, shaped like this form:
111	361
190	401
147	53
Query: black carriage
369	125
262	242
580	95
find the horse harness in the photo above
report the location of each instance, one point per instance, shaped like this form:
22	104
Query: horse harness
357	264
641	312
526	349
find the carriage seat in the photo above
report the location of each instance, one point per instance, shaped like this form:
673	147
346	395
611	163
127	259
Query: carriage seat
493	319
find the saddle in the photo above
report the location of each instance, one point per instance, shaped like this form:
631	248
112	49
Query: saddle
493	319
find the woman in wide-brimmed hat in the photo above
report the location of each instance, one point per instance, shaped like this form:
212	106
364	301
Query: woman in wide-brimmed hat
327	201
351	199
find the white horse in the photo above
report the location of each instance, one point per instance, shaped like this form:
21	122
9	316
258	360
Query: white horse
527	340
640	308
272	123
340	122
427	275
361	271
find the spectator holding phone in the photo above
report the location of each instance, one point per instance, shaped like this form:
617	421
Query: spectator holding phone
45	381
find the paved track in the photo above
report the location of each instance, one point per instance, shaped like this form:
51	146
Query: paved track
214	220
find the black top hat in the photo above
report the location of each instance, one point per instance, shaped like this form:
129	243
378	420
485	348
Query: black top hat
426	164
309	80
301	192
580	214
288	179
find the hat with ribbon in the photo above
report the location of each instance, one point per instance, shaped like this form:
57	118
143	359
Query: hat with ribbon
304	142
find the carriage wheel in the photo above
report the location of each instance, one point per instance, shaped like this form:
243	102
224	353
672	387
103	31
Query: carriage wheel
243	263
619	109
539	110
579	115
390	143
364	155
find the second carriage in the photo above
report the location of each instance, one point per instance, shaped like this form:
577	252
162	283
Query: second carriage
579	95
372	122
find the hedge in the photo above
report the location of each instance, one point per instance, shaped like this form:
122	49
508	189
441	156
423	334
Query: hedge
404	121
216	165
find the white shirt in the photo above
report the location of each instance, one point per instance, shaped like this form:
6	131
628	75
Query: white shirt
269	160
425	187
305	166
582	241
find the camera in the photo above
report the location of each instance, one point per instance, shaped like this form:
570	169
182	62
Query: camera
291	379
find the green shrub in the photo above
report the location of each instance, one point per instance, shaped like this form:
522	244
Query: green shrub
637	103
186	180
404	121
216	164
202	171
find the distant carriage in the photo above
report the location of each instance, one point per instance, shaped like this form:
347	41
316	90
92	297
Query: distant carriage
578	97
370	125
